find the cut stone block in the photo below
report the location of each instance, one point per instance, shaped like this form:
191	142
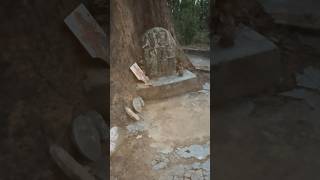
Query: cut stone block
169	86
251	66
299	13
199	62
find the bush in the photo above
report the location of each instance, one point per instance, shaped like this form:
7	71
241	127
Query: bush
189	18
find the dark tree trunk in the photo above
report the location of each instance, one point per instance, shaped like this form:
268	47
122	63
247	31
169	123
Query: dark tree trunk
129	21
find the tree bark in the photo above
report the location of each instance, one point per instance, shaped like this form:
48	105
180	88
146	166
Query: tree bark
129	21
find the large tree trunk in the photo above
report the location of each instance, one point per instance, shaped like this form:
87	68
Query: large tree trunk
129	21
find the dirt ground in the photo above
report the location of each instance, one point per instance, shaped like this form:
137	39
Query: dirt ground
167	125
266	138
271	136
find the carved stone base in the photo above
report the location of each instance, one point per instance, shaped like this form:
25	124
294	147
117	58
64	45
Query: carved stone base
169	86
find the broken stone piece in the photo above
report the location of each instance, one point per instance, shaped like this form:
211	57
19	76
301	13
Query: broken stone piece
69	165
137	104
89	33
132	114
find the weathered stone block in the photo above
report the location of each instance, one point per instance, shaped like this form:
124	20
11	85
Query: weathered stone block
251	66
168	86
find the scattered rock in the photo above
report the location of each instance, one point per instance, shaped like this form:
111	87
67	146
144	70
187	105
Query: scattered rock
137	104
132	114
197	151
68	165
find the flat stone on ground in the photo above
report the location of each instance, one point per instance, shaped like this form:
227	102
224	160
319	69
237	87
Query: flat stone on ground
137	104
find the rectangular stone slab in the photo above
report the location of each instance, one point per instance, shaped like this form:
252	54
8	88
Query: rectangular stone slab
250	67
88	32
304	14
169	86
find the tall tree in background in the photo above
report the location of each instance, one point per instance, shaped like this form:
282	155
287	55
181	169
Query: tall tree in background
189	17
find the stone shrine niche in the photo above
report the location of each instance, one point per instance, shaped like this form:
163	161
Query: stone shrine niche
159	53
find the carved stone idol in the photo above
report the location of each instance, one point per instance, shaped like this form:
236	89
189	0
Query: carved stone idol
159	53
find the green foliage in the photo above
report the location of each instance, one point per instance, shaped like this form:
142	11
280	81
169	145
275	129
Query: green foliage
190	18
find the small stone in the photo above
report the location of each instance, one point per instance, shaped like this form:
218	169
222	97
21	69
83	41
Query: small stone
132	114
139	137
137	104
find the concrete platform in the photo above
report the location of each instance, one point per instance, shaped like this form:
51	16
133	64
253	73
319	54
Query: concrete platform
250	67
304	14
169	86
199	62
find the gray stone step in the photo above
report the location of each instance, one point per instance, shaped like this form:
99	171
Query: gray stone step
169	86
250	67
199	62
304	14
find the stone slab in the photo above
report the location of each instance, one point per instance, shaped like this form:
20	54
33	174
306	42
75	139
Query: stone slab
199	62
169	86
304	14
89	33
69	165
250	67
